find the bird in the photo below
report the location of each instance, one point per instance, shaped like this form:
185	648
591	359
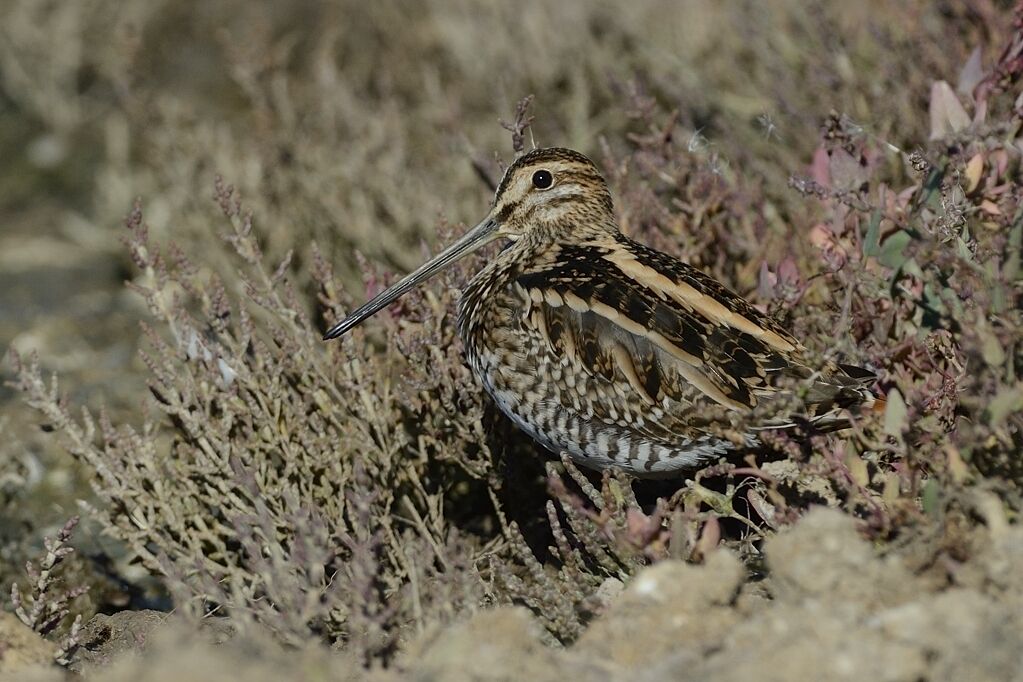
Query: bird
617	354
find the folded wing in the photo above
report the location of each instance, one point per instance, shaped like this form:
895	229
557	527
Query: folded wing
678	339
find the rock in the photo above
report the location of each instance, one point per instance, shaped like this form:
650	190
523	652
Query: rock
104	637
21	648
669	609
504	643
808	641
823	556
176	652
963	633
608	591
1002	563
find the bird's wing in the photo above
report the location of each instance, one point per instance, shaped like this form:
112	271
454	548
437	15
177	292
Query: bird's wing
675	336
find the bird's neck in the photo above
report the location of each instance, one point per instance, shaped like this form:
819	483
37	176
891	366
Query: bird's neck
486	289
490	289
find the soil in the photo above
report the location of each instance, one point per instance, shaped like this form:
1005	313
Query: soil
833	608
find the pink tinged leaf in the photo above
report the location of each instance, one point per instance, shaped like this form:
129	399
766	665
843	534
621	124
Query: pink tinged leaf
765	282
906	196
990	207
636	522
821	237
971	75
947	113
1000	160
819	167
788	273
846	172
980	115
710	536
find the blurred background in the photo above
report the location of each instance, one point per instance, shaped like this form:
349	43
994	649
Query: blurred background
364	127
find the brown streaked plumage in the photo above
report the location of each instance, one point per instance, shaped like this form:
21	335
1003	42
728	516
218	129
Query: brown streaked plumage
616	353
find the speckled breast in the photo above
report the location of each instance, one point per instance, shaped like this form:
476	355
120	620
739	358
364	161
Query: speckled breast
550	396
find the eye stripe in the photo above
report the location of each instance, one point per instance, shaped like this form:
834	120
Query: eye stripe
507	210
545	205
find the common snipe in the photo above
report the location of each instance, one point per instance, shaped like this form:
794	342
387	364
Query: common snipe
599	346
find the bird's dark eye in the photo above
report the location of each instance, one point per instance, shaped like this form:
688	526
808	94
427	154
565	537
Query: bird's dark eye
542	179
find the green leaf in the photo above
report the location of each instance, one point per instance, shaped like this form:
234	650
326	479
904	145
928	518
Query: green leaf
891	255
929	497
910	267
930	194
1011	269
1009	399
948	116
996	287
895	414
935	299
617	493
991	348
963	250
872	242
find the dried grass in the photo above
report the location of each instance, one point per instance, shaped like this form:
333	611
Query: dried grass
360	492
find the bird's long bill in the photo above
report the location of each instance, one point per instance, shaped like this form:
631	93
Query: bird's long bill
472	240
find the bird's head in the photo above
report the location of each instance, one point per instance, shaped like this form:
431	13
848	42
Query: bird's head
546	195
548	188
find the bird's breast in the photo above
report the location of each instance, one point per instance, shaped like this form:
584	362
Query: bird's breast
489	322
